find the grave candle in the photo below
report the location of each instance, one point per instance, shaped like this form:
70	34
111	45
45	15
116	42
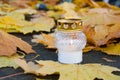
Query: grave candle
70	40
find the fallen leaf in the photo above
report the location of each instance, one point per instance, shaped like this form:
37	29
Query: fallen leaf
6	61
94	4
44	23
6	8
51	2
55	14
100	26
111	49
42	79
67	10
10	23
26	11
88	48
73	71
83	3
19	3
28	67
107	5
10	43
46	39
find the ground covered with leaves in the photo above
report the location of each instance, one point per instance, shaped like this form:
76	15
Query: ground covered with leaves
21	25
9	73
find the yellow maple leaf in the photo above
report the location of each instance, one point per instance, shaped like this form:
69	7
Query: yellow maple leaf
7	20
6	61
6	8
111	49
15	21
88	48
71	71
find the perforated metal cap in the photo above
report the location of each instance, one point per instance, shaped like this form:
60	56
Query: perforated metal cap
69	24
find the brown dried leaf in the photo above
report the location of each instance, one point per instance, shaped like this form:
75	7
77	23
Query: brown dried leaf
19	3
101	34
100	26
6	44
107	5
10	43
73	71
92	3
28	67
51	2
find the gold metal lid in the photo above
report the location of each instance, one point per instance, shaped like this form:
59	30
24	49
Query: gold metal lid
69	24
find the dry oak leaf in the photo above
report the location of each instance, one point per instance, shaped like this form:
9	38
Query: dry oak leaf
70	71
10	43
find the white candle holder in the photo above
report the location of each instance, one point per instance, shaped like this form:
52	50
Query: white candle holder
70	40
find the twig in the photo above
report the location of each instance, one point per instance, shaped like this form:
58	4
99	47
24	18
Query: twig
11	75
33	58
108	60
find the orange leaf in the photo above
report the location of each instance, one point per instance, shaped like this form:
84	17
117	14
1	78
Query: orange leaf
10	43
